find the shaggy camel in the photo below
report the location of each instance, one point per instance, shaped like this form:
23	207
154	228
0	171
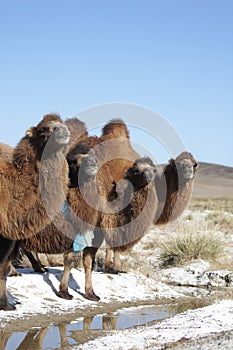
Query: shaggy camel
77	131
83	168
179	178
23	183
137	197
116	155
174	188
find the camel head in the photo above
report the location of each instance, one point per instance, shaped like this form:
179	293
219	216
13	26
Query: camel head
142	172
50	127
186	165
83	164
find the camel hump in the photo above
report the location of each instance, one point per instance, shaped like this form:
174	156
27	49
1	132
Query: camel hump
116	128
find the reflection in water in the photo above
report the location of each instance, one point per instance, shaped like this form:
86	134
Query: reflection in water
87	328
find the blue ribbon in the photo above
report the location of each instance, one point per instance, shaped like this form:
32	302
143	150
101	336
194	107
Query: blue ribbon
79	243
65	209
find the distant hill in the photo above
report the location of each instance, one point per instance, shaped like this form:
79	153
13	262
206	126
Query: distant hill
213	180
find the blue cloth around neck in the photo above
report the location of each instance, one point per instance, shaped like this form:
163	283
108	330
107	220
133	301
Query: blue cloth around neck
79	243
65	209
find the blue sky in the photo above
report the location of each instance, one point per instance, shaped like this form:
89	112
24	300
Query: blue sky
173	57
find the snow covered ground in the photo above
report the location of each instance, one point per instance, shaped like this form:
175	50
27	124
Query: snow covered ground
188	325
205	327
35	292
36	295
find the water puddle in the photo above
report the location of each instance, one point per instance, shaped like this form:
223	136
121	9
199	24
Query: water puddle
59	336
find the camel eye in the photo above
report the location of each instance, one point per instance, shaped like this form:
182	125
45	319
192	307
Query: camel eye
73	161
42	131
195	165
137	172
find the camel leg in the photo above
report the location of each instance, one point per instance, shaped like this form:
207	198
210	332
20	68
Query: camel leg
117	261
8	251
13	272
115	266
88	258
108	264
4	303
4	337
87	323
36	264
63	335
68	264
33	340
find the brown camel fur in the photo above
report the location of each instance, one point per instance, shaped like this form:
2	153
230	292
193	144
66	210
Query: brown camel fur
138	196
174	189
83	167
115	155
77	131
28	187
179	178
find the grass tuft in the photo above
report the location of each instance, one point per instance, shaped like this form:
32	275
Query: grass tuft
180	249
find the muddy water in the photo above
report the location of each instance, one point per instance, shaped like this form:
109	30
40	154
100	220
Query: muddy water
80	330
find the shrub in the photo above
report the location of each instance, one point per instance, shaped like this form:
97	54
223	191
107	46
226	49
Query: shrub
187	247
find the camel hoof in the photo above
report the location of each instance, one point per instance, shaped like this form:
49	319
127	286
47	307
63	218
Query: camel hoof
92	297
113	271
41	270
15	274
7	307
64	295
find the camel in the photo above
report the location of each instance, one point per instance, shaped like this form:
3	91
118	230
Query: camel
82	170
28	187
77	131
174	186
179	178
138	201
116	155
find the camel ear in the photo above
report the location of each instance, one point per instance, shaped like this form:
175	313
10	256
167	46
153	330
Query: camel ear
30	131
129	172
172	163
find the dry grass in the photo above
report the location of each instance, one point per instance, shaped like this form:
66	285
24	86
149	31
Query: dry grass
186	247
214	204
221	221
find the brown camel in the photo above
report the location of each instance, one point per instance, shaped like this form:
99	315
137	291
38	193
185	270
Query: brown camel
32	191
137	197
179	178
83	168
77	131
174	188
116	155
